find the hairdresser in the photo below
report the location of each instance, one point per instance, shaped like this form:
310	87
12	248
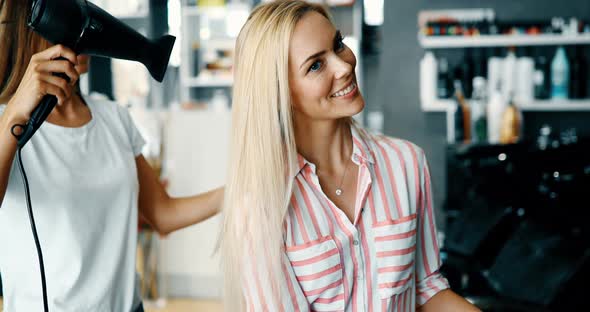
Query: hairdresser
88	182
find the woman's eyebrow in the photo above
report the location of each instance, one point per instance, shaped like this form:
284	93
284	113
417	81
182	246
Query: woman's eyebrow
335	40
312	57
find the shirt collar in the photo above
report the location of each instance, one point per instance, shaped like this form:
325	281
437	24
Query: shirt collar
360	145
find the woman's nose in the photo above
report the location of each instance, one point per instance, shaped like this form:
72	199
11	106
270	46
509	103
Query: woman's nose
342	69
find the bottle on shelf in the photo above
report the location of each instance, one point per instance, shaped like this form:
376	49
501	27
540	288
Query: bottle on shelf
443	84
524	83
578	75
509	73
511	131
467	65
461	115
573	26
494	72
486	24
560	75
557	25
495	109
479	127
480	64
493	28
541	77
428	78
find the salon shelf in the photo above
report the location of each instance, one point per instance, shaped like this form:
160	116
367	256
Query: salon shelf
215	11
206	82
134	16
444	42
210	10
442	105
557	106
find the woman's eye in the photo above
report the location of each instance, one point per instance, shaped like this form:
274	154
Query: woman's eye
317	65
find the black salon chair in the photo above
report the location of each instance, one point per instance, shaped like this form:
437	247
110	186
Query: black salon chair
516	235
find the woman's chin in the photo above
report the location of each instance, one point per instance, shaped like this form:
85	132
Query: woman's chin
357	106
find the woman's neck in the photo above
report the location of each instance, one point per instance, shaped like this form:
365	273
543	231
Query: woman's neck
327	143
72	113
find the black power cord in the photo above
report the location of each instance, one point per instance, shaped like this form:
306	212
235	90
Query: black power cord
31	217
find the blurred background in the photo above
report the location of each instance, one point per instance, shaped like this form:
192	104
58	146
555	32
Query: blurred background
496	92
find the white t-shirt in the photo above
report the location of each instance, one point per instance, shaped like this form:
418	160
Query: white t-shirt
84	191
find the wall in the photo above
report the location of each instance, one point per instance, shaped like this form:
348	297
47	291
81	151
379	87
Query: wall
391	78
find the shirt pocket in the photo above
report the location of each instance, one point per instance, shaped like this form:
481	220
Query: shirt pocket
318	270
395	244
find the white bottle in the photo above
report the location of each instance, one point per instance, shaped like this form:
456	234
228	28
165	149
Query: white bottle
428	77
494	73
573	26
508	74
525	82
495	109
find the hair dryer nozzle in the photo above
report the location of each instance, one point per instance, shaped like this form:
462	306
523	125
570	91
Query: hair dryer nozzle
160	56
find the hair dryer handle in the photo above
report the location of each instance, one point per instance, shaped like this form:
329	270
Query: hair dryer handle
37	118
38	115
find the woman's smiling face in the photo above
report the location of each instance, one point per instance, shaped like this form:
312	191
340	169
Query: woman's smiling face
322	71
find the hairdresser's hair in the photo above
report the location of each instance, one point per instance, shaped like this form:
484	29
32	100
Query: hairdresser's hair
262	149
19	44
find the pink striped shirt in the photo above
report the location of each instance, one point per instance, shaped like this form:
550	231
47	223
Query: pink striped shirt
386	260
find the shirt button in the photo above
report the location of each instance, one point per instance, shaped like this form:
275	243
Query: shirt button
355	242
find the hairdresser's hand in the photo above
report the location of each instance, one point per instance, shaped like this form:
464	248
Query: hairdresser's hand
39	81
83	63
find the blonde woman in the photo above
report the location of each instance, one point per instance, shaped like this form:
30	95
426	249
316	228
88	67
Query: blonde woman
319	214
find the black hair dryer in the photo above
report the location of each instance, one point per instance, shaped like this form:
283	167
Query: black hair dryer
88	29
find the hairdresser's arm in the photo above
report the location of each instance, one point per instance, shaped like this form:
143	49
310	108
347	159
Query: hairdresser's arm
168	214
7	151
37	81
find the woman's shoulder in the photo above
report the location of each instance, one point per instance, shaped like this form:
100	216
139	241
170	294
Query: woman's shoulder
102	105
108	110
393	146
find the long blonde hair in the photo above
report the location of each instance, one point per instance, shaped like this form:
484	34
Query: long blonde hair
262	149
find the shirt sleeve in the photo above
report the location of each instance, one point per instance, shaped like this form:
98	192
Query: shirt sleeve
135	139
428	279
259	295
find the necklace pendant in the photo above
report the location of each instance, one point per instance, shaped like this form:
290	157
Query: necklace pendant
338	192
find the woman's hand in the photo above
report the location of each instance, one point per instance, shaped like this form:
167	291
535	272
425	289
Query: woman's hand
83	63
39	81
